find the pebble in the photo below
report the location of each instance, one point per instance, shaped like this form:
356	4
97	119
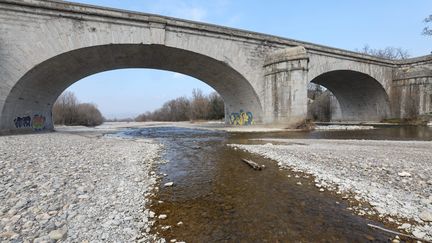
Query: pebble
419	234
426	216
169	184
166	227
404	174
162	216
85	196
405	226
56	234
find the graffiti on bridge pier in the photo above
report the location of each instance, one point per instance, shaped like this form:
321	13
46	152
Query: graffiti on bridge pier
22	122
37	122
241	118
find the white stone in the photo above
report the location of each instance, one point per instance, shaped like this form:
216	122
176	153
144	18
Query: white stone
419	234
162	216
404	174
166	227
56	234
405	226
169	184
426	216
85	196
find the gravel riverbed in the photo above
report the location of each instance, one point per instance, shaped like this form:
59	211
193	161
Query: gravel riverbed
394	177
72	188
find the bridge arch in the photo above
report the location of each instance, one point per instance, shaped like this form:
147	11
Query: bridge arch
360	96
35	92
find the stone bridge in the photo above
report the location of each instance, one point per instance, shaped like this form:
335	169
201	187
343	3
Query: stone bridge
46	46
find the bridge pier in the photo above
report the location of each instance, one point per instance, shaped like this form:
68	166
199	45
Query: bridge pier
285	97
411	92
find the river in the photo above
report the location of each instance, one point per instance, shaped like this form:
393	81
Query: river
218	198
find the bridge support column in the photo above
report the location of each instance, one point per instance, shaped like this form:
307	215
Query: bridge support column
285	95
411	93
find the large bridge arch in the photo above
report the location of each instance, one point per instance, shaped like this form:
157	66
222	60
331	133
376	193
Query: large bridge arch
35	92
360	96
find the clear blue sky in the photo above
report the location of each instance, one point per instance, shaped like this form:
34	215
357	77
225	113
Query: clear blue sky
346	24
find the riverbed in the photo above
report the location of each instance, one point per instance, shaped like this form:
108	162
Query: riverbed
216	197
78	185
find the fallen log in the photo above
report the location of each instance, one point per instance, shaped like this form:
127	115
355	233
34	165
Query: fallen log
254	165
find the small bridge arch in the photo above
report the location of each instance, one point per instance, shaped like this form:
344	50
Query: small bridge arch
360	96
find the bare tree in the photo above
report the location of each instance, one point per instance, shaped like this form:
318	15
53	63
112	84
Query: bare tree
65	108
199	105
392	53
216	107
88	115
314	90
428	29
68	111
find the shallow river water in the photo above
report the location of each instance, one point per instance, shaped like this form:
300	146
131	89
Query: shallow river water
218	198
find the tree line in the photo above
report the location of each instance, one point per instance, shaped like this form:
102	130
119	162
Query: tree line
67	110
198	107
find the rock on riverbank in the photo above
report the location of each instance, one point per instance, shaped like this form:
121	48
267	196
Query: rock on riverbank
58	186
395	177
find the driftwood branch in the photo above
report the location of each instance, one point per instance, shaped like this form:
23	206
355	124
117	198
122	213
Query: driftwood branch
254	165
397	233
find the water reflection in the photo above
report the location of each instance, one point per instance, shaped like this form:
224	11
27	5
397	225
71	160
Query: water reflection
378	133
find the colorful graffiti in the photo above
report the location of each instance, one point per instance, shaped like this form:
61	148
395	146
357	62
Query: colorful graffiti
37	122
22	122
241	118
